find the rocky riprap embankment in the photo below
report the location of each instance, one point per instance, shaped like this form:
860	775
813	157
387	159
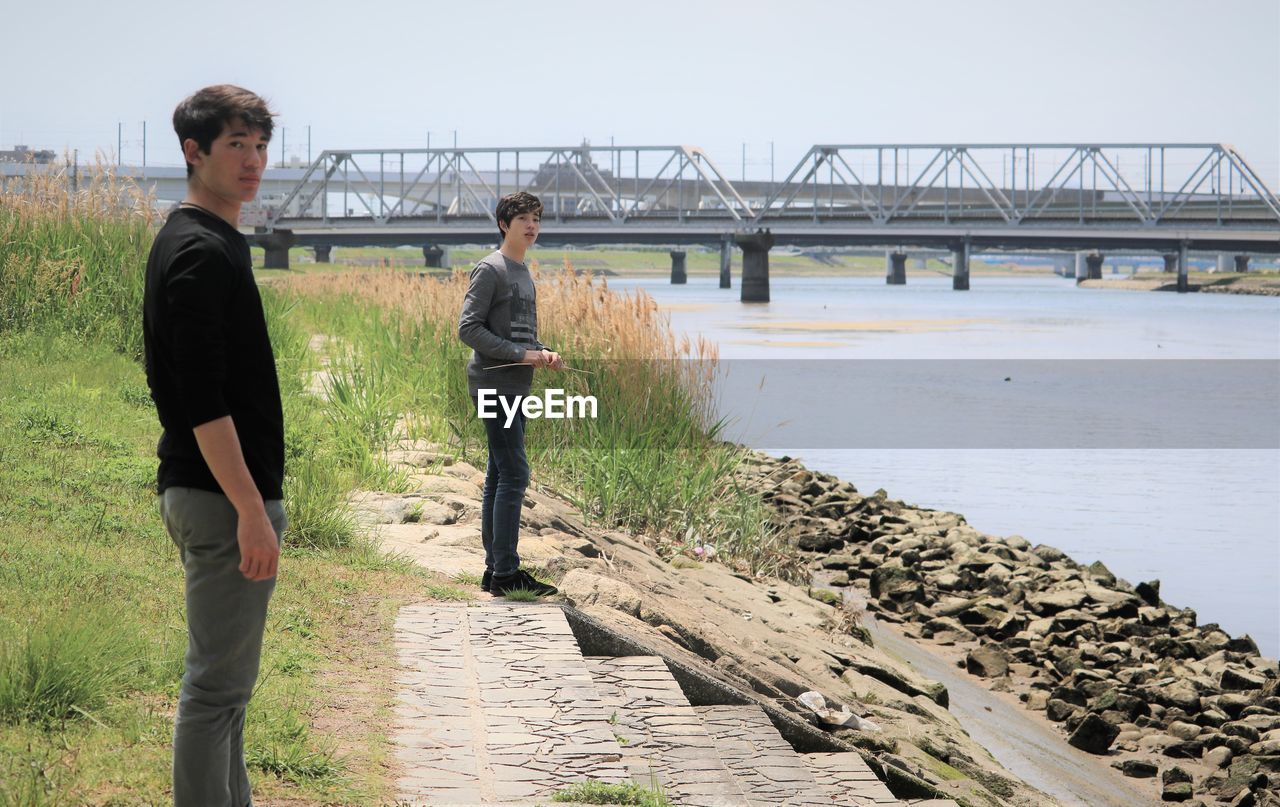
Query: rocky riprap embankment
1124	673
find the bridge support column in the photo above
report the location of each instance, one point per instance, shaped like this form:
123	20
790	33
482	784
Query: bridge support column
277	245
1093	261
1170	262
1183	268
755	265
726	261
1242	263
678	274
324	253
960	267
1225	264
895	268
433	256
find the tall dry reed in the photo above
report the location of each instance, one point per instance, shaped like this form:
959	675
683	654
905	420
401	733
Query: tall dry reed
73	252
650	461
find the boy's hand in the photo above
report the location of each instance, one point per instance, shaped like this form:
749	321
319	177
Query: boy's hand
543	358
259	548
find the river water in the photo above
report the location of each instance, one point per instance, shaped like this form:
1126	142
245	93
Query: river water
1135	428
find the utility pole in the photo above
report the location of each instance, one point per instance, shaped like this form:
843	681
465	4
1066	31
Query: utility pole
771	168
283	132
308	144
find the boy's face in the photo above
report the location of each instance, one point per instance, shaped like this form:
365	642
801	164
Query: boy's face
524	228
232	170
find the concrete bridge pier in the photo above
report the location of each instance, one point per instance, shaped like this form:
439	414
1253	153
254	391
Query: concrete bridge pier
726	261
1225	263
678	274
1170	262
1183	269
960	266
1242	263
1093	264
895	268
324	253
755	265
276	244
433	256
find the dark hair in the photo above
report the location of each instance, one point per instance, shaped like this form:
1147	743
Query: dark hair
512	205
204	115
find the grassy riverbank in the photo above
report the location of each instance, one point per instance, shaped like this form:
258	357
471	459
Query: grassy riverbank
92	629
648	462
91	614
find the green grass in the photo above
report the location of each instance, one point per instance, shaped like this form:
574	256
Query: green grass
92	629
522	595
607	793
66	667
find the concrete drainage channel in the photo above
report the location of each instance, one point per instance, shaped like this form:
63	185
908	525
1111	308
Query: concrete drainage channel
1034	752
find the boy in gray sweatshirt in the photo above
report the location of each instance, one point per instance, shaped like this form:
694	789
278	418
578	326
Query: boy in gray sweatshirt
499	322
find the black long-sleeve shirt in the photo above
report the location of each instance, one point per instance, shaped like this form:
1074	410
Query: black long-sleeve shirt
208	353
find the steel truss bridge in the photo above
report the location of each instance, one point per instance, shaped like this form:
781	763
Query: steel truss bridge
997	195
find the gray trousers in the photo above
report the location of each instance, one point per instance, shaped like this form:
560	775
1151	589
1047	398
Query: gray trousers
226	615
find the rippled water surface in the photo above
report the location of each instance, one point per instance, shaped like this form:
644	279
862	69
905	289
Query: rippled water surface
1204	520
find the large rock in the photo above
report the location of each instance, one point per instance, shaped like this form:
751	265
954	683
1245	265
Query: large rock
1149	592
1137	768
1094	735
1051	602
987	662
895	584
583	588
1236	680
1179	693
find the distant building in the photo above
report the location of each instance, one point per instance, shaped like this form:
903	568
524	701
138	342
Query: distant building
22	154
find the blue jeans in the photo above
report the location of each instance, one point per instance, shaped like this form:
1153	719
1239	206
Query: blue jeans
226	615
505	481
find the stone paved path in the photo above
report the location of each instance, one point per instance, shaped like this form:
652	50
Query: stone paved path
771	773
663	736
496	706
847	773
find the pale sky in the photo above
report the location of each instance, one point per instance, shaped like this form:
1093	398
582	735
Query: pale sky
712	73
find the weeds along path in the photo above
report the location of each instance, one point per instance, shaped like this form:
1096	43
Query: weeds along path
650	461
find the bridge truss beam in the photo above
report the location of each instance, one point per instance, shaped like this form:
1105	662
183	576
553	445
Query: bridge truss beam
615	184
1151	185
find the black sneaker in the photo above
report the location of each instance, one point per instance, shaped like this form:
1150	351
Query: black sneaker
486	579
520	581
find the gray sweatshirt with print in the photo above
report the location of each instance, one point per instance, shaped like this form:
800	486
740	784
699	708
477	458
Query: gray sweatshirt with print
499	322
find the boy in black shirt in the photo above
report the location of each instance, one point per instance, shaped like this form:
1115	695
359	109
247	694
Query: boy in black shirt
213	378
